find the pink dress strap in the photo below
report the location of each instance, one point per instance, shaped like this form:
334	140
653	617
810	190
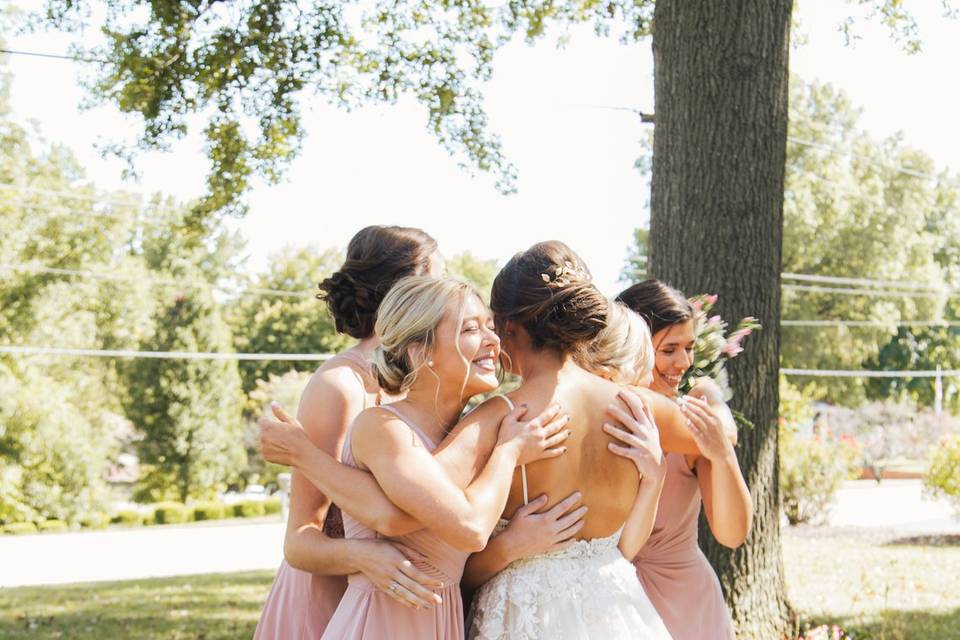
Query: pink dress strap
411	424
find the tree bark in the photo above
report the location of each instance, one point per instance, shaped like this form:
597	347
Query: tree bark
721	90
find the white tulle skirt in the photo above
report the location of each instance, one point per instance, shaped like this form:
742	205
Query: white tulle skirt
588	591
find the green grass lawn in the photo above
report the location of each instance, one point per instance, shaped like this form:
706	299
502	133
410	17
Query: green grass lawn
877	585
872	584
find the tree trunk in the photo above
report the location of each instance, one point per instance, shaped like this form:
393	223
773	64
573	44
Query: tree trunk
721	88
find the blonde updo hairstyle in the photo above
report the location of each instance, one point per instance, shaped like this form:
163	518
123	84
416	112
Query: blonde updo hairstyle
409	315
623	351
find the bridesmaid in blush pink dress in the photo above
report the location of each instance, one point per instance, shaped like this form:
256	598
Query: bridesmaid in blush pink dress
365	612
312	577
674	572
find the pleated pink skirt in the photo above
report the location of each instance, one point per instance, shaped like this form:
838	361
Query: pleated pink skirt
299	606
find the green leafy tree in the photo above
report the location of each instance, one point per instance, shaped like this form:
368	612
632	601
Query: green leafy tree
285	323
479	273
726	65
188	409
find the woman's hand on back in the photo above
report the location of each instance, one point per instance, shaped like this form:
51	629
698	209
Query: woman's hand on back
390	570
533	531
282	437
641	437
535	439
707	427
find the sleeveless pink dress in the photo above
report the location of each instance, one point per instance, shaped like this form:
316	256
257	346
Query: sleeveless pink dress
367	613
300	604
675	574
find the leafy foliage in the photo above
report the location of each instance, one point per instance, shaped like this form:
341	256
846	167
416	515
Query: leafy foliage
943	476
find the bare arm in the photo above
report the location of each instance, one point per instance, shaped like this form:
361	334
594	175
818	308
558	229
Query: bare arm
419	485
530	532
463	454
330	400
726	499
643	448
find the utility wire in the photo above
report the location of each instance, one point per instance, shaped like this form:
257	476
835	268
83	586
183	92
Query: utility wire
119	277
160	355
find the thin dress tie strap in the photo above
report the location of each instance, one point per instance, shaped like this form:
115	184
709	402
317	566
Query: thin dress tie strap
523	467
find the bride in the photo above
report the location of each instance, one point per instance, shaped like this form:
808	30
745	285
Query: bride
547	313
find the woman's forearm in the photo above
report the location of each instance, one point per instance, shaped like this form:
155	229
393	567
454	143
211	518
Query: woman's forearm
310	549
485	564
356	492
643	515
730	509
488	493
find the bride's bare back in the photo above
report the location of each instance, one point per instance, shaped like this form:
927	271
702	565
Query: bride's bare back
607	482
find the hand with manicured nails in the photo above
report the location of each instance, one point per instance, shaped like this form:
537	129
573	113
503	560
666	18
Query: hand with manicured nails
389	569
707	428
642	437
536	439
533	531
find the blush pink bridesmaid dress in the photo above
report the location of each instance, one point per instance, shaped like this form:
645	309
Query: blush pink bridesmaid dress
675	574
366	613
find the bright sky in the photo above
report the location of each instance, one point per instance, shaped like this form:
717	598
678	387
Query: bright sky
577	182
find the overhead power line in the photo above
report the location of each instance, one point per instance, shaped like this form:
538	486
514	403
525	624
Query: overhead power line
850	373
73	195
160	355
51	56
866	282
119	277
861	292
868	323
826	147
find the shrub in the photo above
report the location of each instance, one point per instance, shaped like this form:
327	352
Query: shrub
52	526
249	509
811	472
127	518
170	513
209	511
95	520
272	506
943	474
20	528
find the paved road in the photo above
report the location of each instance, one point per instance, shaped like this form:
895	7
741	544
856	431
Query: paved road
239	546
139	553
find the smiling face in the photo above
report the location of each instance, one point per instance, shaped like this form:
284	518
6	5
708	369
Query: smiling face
466	348
673	356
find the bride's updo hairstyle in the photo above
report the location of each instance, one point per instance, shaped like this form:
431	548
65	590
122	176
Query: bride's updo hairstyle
548	290
409	315
623	351
377	257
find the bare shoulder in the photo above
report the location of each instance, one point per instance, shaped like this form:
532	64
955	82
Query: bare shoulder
378	429
332	397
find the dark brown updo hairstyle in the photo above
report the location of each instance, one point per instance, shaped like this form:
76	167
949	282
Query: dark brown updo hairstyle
377	257
659	304
548	290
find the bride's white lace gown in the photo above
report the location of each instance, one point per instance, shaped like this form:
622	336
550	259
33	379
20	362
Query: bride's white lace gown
587	591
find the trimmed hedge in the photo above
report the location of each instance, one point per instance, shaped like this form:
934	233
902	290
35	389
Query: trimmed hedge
170	513
97	520
20	528
271	506
209	511
128	518
249	509
52	526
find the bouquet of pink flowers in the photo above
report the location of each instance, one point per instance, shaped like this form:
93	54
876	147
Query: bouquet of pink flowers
713	346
